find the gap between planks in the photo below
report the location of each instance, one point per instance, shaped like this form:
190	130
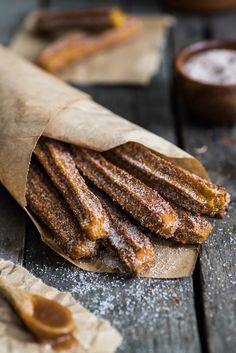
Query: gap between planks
214	277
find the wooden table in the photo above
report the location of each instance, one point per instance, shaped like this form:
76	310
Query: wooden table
189	315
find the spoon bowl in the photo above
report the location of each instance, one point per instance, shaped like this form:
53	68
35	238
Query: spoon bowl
49	321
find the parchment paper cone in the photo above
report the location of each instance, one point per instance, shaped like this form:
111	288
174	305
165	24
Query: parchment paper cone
35	103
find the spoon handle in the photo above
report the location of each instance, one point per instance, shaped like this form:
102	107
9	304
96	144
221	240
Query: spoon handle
20	300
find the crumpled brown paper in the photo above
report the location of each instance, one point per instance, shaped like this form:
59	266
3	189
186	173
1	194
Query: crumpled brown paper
35	103
133	62
95	335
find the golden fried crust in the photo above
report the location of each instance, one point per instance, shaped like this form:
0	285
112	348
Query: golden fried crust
59	165
143	203
76	46
133	248
90	19
173	183
192	228
47	204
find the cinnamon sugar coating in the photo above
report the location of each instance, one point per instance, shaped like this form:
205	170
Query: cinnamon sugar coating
176	184
47	204
133	248
192	228
74	209
143	203
55	157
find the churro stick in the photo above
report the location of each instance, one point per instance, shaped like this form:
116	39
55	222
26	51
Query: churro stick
74	47
47	204
90	19
143	203
55	157
192	228
176	184
133	248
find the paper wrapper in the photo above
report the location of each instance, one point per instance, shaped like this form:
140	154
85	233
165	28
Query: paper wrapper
95	335
133	62
35	103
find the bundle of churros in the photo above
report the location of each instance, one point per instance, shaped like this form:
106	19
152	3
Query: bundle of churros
101	28
118	201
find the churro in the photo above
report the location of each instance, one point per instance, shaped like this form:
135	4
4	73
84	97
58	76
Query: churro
192	228
89	19
76	46
176	184
47	204
143	203
55	157
133	248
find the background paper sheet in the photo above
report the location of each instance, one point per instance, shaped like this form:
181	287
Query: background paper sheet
132	62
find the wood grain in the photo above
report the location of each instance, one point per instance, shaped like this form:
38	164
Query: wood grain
12	228
11	14
12	218
216	148
218	254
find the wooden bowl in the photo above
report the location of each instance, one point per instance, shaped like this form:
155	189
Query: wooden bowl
210	101
206	6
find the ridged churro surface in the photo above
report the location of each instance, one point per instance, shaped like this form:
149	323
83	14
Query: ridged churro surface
47	204
123	198
55	157
133	248
174	183
192	228
143	203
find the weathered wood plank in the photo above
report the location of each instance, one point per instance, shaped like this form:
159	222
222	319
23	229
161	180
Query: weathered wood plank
220	293
12	228
224	25
153	316
12	218
217	258
11	14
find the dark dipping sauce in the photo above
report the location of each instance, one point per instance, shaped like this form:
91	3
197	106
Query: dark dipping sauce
50	312
53	314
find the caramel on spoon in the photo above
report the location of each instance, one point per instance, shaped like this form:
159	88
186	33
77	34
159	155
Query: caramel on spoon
50	322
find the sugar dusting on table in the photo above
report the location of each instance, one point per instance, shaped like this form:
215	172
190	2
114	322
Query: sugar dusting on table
138	308
130	304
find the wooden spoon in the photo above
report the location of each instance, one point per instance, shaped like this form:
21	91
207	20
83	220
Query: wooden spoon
50	322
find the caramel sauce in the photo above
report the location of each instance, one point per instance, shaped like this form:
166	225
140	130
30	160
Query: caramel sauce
55	316
50	312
